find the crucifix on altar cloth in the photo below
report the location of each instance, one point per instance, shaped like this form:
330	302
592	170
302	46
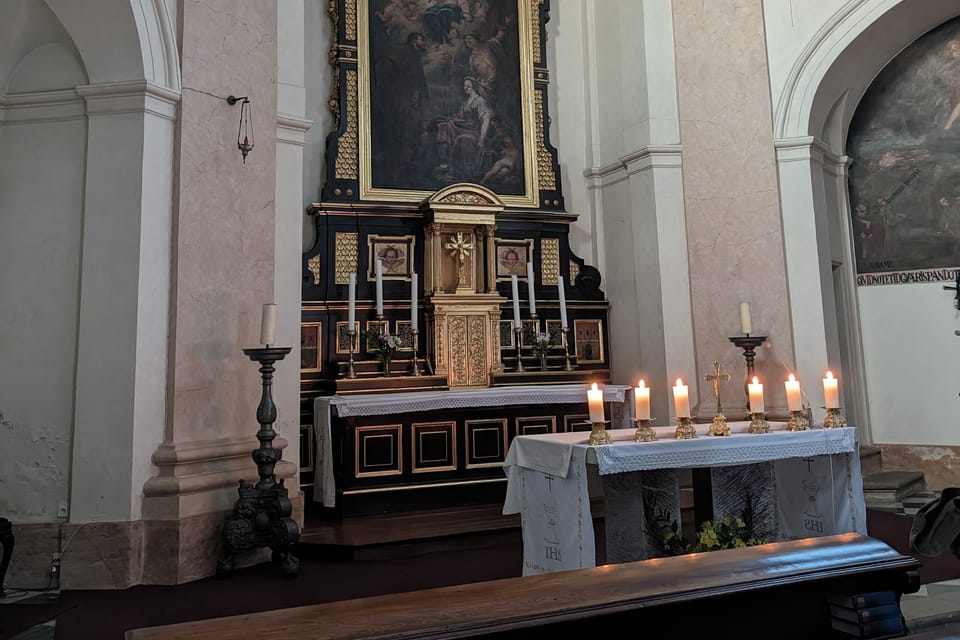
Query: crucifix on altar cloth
719	425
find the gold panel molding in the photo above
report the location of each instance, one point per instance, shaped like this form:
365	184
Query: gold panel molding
549	261
347	248
314	265
574	272
368	468
479	456
458	373
535	32
348	163
545	175
478	350
529	425
350	19
446	430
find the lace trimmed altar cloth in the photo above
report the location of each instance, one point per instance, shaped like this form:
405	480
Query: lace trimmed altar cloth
388	404
817	484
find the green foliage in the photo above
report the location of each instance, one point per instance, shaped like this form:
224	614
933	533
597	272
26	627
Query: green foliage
667	539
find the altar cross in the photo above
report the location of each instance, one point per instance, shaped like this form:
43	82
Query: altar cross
716	377
459	248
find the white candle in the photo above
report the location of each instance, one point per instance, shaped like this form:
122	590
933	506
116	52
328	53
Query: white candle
681	399
793	394
516	301
268	324
756	396
641	401
595	403
379	288
351	301
530	289
414	282
563	303
746	323
831	399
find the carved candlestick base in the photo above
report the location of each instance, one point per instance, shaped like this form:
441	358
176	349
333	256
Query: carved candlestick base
797	422
598	433
644	432
719	426
834	419
758	423
685	429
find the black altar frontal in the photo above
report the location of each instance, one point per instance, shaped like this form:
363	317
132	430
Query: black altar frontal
441	261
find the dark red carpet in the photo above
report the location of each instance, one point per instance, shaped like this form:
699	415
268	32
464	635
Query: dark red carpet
105	615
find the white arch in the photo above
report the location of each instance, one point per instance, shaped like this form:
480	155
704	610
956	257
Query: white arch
123	40
812	115
842	59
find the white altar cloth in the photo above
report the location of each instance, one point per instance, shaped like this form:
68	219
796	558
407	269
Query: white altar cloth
547	482
385	404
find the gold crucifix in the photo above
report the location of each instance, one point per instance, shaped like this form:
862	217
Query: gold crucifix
716	377
459	247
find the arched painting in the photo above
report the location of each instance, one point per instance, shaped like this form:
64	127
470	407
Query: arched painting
904	179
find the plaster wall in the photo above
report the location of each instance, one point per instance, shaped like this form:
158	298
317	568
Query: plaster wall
40	223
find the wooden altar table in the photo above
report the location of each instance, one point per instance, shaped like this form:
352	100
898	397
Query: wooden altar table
473	426
810	482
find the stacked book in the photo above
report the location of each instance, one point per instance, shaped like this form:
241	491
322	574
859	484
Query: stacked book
873	615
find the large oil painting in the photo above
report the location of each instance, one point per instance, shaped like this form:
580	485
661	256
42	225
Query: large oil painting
446	97
905	171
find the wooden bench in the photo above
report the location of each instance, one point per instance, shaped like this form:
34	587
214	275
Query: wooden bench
774	590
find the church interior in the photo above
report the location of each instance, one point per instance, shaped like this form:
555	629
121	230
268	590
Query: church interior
554	270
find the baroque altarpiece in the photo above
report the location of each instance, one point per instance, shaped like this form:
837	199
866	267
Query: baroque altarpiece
440	169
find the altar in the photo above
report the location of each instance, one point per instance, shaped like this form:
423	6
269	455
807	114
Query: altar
383	450
809	482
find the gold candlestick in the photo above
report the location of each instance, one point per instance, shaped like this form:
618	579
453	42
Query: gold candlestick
351	372
797	422
519	334
758	423
685	429
567	365
719	426
644	432
834	419
415	370
598	433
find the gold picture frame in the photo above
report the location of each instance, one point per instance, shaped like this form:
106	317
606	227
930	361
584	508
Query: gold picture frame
588	341
512	257
409	140
395	254
310	343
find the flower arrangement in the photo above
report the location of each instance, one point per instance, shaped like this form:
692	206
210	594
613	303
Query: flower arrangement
385	344
542	343
729	533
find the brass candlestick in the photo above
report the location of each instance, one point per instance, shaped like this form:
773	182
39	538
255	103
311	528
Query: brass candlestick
644	432
748	343
351	372
685	429
518	331
567	365
834	419
758	423
598	433
415	369
797	422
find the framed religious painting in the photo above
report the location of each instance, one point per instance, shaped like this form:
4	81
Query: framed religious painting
555	331
588	341
512	258
395	254
310	346
437	93
405	332
506	335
